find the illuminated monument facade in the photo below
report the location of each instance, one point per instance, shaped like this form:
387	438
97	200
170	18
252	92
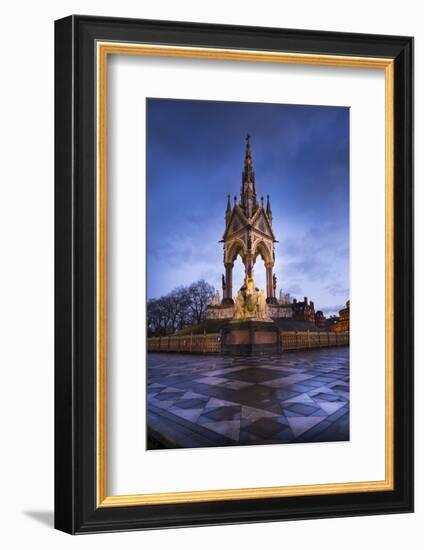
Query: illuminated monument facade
248	234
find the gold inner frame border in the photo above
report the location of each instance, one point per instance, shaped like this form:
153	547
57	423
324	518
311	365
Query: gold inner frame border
103	50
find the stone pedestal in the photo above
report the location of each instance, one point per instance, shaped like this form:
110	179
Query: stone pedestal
220	312
250	337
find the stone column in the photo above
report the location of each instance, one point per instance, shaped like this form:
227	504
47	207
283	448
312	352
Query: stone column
228	297
248	265
269	284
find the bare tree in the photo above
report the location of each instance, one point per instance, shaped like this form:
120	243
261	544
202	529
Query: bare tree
176	304
157	317
201	294
180	308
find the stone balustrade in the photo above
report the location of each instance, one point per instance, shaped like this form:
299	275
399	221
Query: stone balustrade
211	343
190	343
297	340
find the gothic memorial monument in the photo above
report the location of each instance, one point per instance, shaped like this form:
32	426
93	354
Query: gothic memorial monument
249	233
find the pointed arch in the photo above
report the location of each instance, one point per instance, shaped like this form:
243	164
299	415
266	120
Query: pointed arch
233	249
262	250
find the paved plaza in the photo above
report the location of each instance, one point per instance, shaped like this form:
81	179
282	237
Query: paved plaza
204	401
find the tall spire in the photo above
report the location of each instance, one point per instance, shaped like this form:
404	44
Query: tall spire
228	211
268	209
248	173
248	190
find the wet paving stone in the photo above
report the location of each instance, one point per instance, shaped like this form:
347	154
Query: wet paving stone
204	401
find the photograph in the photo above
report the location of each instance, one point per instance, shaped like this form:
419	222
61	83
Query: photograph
248	273
194	198
224	194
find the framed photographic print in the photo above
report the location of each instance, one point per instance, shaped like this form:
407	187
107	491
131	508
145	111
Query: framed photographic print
234	270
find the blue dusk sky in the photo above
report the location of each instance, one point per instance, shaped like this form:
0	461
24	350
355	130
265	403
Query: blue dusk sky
195	156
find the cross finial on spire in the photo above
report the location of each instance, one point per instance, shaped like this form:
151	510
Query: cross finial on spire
248	138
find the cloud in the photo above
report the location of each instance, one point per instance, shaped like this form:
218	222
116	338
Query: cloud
195	153
293	289
332	310
337	289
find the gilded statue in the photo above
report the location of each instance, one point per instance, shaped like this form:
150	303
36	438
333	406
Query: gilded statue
239	306
262	307
250	303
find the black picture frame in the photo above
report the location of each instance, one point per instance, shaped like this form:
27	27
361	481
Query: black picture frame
76	508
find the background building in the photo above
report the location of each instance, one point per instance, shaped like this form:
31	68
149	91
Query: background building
342	324
320	320
304	311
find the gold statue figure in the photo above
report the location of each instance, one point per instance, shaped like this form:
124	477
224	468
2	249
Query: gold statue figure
250	304
238	307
